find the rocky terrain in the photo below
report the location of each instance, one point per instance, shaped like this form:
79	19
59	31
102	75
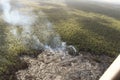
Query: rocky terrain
54	66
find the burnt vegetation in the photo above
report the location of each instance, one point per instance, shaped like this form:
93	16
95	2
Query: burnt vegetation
90	29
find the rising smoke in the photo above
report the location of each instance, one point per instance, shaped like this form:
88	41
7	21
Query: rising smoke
37	32
14	17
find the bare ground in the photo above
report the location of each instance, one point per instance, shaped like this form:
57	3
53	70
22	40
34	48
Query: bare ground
53	66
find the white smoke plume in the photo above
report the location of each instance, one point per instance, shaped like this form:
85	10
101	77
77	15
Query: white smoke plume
37	32
15	17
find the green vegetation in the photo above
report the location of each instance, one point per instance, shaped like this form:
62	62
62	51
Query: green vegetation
9	49
87	31
12	44
107	9
90	32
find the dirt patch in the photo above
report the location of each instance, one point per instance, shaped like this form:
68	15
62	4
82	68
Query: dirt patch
53	66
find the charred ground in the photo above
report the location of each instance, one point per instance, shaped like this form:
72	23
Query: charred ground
89	27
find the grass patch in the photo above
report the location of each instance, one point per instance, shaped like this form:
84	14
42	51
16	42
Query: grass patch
91	32
10	48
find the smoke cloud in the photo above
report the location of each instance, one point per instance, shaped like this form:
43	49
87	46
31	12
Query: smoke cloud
37	32
15	17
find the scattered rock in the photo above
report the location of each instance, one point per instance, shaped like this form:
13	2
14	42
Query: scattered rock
72	51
